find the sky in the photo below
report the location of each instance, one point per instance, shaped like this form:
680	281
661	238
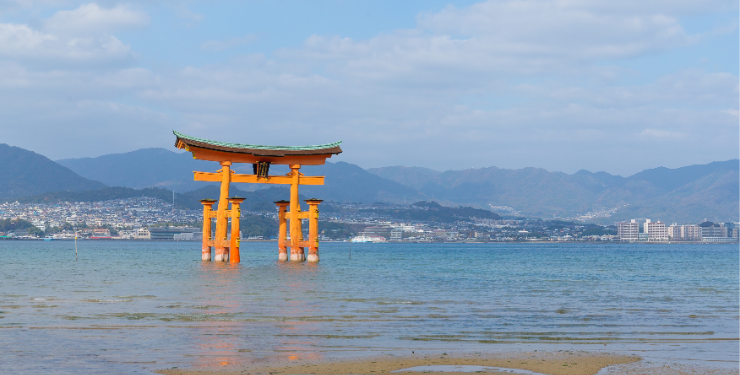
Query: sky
615	86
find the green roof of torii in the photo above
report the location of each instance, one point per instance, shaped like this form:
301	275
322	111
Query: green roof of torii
257	147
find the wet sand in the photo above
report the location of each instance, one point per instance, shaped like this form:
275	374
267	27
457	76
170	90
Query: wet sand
551	363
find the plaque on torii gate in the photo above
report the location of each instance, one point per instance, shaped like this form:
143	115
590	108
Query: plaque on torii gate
261	157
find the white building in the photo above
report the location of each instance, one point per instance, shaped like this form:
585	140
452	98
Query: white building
691	232
686	232
655	231
674	232
142	234
628	230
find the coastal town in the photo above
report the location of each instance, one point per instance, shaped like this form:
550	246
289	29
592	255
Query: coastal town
146	218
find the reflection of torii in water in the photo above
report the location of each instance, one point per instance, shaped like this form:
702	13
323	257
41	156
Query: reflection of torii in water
260	157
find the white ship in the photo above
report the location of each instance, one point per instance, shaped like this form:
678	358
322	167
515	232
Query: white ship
365	239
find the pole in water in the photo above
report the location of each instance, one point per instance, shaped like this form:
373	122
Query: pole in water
75	245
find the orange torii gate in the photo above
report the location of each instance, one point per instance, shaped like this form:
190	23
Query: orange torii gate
261	157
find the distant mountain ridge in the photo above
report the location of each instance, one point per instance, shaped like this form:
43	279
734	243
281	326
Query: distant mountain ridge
683	194
144	168
157	167
687	194
24	172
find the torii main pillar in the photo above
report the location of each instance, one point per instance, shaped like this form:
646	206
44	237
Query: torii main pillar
296	230
261	157
222	222
313	229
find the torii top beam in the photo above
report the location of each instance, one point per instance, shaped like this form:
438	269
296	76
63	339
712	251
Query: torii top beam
204	149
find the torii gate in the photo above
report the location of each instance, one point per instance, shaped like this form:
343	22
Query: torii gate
260	157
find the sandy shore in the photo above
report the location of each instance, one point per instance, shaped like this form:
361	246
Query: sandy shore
552	363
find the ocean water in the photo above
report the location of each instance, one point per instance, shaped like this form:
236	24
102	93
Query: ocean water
130	307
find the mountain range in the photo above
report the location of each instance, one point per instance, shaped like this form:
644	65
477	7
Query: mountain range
156	167
683	194
149	167
687	194
24	173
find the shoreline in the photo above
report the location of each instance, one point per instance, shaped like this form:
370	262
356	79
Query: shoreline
542	362
399	243
568	362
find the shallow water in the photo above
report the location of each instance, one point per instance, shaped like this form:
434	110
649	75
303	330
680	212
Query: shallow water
127	307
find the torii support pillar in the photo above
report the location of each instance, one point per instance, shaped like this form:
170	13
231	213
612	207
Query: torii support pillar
282	230
313	229
236	214
207	241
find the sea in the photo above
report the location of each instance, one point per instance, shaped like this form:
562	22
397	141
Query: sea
123	307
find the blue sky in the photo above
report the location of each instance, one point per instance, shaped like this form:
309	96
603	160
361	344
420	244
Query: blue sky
561	85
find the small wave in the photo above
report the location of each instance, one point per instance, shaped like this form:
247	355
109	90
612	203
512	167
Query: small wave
206	307
135	296
400	303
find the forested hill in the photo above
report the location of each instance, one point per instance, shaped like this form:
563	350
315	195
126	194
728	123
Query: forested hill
24	173
149	167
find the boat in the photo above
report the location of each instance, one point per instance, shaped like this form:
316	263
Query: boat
366	239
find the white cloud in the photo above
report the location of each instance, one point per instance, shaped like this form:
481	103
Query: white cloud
72	39
558	28
477	46
15	38
22	43
91	19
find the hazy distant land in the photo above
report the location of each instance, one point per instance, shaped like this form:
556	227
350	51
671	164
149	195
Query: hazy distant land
688	194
